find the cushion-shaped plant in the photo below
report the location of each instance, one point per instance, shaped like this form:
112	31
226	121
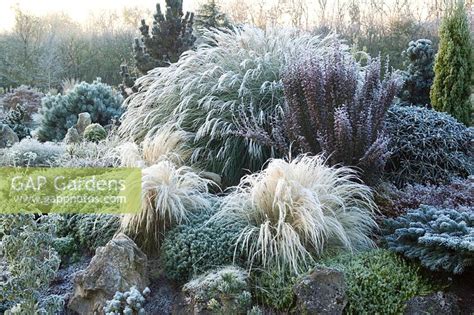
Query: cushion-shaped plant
379	282
427	146
292	211
439	238
95	133
197	246
222	291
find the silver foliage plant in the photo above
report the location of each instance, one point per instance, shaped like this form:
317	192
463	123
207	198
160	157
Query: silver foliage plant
203	92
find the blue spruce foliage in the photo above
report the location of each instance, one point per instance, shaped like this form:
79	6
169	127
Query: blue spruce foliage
439	238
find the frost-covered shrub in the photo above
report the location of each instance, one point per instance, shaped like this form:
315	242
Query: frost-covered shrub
30	152
89	231
92	154
95	133
224	291
457	193
59	112
336	107
427	146
15	119
197	246
419	74
127	303
274	288
294	211
25	96
204	91
379	282
27	246
439	238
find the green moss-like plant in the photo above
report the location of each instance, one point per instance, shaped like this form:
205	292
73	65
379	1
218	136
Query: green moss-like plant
379	282
95	133
453	67
59	112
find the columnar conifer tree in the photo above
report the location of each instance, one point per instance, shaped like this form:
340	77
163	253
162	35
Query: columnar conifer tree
453	68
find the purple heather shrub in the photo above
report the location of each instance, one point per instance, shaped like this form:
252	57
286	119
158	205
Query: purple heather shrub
458	193
336	106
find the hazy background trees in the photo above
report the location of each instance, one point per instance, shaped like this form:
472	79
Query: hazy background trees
42	51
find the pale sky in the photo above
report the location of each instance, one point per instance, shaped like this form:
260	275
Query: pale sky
77	9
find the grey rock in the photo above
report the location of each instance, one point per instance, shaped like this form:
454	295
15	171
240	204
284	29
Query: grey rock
435	304
83	120
117	266
7	136
72	136
321	292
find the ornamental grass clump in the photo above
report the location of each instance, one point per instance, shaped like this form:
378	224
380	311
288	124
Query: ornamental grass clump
231	70
170	190
297	210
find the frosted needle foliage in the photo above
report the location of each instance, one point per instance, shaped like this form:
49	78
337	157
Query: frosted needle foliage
296	210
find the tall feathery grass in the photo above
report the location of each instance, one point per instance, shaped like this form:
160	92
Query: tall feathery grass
231	71
170	190
297	210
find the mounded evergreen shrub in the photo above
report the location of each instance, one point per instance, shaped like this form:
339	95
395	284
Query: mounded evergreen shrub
379	282
427	146
442	239
223	291
25	96
59	112
197	246
95	133
454	65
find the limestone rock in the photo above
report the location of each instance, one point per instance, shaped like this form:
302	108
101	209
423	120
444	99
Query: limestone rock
72	136
117	266
83	120
321	292
435	304
7	136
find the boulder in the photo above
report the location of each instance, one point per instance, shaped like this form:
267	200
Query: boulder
72	136
83	120
321	292
435	304
7	136
117	266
